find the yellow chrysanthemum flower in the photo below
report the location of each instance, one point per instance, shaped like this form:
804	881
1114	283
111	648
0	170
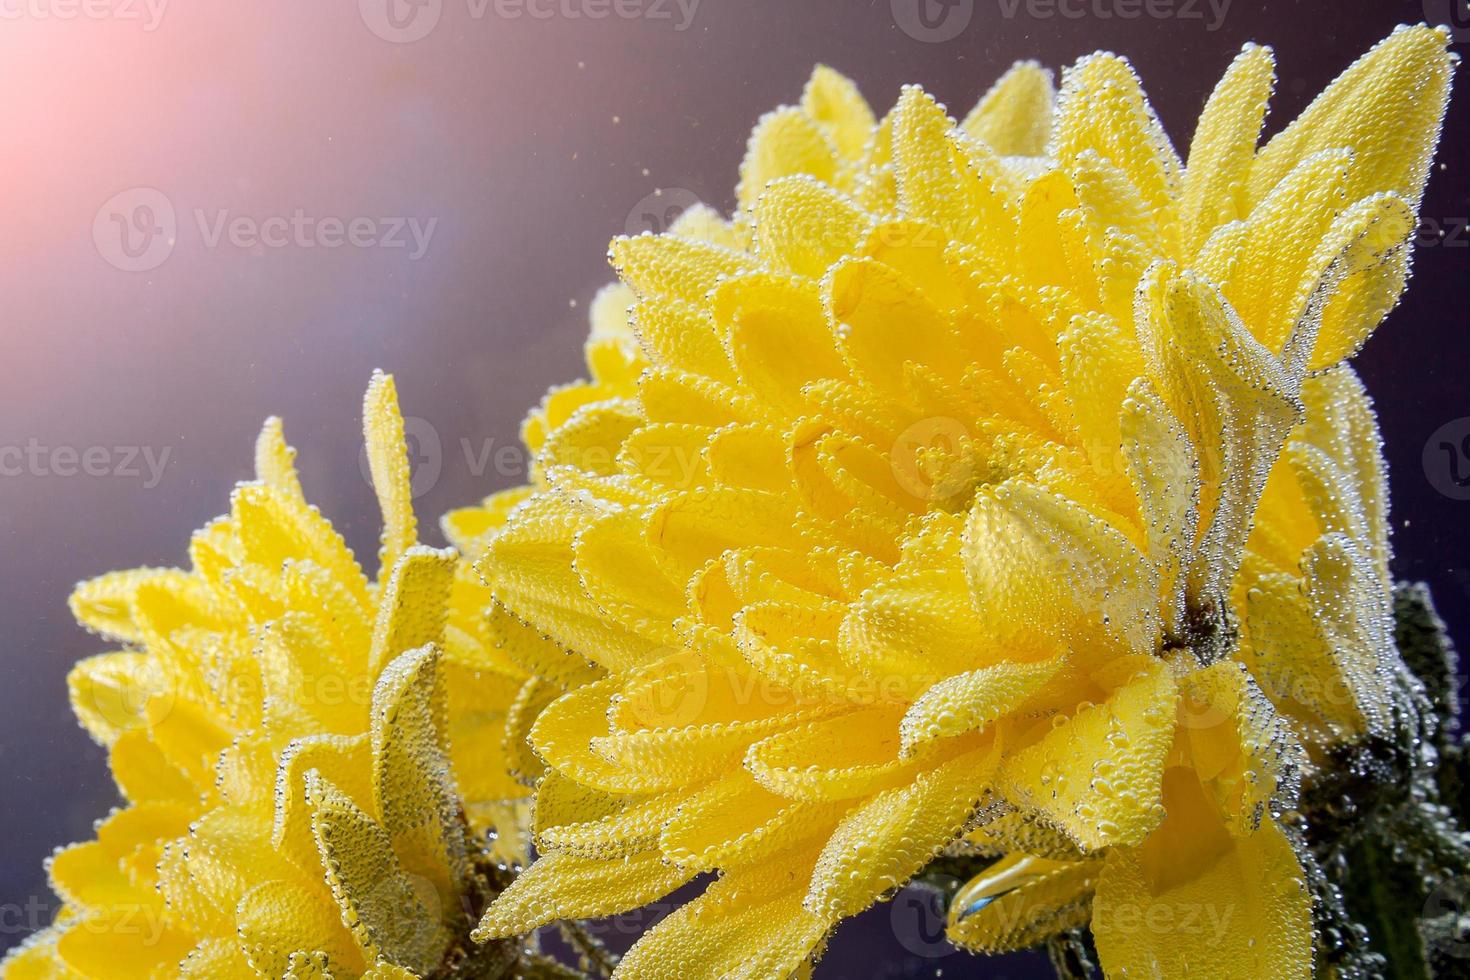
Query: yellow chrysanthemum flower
280	727
912	509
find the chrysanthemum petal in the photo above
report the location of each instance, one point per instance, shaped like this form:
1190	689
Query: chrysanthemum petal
385	908
277	918
882	843
803	226
1367	109
1224	147
834	102
567	886
382	427
784	143
1246	914
970	701
750	924
1098	774
1102	109
1014	117
412	608
1020	900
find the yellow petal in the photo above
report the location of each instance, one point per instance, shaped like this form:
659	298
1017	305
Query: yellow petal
1387	108
1246	915
590	438
1354	279
680	720
1019	901
477	737
387	452
90	877
216	959
704	224
391	913
1037	563
189	736
143	773
1101	108
736	821
35	958
1241	750
970	701
750	924
777	335
110	693
1165	474
1099	774
834	102
853	754
345	761
958	187
672	267
1224	147
411	610
785	142
1236	402
277	918
803	226
104	604
566	886
679	335
881	844
1014	117
413	783
275	462
577	819
1348	481
563	734
887	322
123	944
